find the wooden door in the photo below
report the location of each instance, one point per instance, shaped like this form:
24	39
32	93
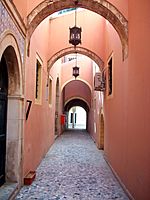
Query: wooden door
3	111
3	117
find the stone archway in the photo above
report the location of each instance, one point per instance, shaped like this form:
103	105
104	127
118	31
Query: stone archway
79	50
79	98
101	7
76	102
10	51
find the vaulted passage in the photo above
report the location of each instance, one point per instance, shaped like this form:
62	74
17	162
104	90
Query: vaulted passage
74	90
73	169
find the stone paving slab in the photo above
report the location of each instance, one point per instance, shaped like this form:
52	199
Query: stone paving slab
73	169
7	190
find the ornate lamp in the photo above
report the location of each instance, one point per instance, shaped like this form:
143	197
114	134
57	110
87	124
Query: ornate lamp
75	69
75	35
75	32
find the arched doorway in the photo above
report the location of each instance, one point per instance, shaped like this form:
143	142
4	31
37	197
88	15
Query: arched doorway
77	118
101	143
3	117
57	109
73	104
11	105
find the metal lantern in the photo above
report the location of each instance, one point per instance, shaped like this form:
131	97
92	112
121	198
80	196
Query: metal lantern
75	35
75	71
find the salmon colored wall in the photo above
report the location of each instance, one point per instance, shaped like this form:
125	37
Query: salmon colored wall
32	5
21	7
55	73
26	6
39	134
138	125
122	6
93	128
92	25
127	114
115	106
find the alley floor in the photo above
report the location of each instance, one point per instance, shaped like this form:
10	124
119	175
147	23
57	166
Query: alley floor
73	169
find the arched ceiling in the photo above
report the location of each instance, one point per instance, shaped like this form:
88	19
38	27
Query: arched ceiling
77	89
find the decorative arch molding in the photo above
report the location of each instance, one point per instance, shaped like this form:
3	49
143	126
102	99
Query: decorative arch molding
101	7
7	39
10	50
67	82
80	50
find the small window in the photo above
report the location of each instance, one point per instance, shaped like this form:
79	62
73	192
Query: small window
75	118
38	81
50	92
110	77
71	118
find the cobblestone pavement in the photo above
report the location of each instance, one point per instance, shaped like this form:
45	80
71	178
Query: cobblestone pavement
73	169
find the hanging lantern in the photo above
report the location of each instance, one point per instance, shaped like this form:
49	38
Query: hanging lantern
75	71
75	35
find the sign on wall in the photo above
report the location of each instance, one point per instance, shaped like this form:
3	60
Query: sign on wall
97	81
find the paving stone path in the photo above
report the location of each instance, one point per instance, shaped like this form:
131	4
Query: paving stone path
73	169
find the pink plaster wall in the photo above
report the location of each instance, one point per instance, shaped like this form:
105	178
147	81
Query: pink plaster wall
21	7
39	134
138	126
122	6
127	114
115	106
55	73
26	6
32	5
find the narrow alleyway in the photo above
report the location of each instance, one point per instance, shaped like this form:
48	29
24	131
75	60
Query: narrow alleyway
73	169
